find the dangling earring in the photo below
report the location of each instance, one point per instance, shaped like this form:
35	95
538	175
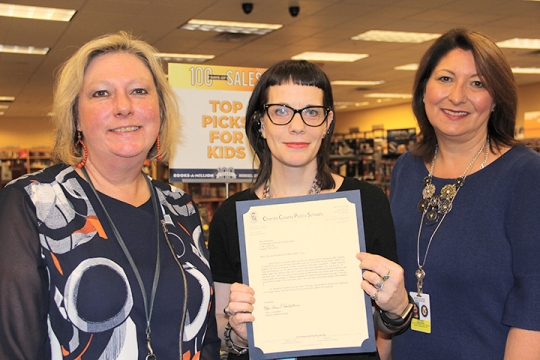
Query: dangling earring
158	149
85	151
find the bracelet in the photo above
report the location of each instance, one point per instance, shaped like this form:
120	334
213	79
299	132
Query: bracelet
400	322
233	348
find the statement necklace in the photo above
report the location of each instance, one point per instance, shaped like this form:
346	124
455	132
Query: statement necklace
315	188
432	206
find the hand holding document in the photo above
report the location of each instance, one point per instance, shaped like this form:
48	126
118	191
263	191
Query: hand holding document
298	254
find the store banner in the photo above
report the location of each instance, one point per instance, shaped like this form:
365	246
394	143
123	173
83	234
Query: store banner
213	146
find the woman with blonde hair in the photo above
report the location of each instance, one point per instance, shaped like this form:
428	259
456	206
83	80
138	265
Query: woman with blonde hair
97	259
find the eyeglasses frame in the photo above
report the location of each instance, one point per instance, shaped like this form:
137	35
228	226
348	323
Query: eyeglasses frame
298	111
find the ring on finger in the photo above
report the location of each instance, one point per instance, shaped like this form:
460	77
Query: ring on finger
228	311
375	296
386	277
379	285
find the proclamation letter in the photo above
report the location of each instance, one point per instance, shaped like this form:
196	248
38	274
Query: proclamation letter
299	255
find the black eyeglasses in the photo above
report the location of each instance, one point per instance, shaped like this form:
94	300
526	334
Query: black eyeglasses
280	114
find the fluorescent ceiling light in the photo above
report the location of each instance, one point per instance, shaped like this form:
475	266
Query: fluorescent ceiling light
388	96
409	67
193	58
328	56
530	70
231	26
1	113
36	12
14	49
7	98
517	43
4	106
346	104
395	36
357	82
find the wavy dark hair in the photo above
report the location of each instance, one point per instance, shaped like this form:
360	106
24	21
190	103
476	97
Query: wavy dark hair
496	75
298	72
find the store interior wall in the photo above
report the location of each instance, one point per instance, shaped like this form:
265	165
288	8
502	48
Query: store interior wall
390	117
38	132
22	132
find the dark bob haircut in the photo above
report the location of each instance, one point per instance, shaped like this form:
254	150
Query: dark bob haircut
298	72
496	74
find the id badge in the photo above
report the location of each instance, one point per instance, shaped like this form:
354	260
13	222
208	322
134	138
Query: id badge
421	320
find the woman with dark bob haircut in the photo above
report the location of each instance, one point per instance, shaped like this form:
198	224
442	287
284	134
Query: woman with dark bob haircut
465	204
289	122
299	73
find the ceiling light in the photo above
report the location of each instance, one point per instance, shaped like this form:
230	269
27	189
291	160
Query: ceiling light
357	82
4	106
395	36
192	58
530	70
388	96
231	26
346	104
517	43
36	12
1	113
328	56
7	98
410	67
14	49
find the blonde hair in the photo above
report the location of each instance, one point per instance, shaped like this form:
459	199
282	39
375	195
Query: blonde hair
69	84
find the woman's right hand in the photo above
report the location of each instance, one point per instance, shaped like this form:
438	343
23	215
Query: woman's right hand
240	310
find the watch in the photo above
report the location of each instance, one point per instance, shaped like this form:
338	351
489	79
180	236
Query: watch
402	320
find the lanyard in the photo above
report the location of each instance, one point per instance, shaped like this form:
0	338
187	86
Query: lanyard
148	307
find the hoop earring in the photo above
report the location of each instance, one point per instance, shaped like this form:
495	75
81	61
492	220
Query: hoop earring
85	151
158	149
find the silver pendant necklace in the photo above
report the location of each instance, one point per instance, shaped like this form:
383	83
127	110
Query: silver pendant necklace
432	206
315	188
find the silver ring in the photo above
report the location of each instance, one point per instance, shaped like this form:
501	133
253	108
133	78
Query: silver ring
386	277
375	296
228	311
379	285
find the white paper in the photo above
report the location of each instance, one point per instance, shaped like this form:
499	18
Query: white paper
301	262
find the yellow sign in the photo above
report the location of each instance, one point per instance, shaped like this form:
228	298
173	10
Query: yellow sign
213	101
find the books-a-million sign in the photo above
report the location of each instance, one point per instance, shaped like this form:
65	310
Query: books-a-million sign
213	145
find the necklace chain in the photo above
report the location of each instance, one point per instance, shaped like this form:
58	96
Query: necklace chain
315	188
432	205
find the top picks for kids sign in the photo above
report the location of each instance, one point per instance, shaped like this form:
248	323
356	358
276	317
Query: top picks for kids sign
212	101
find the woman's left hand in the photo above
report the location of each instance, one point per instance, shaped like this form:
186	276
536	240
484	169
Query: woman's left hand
383	282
